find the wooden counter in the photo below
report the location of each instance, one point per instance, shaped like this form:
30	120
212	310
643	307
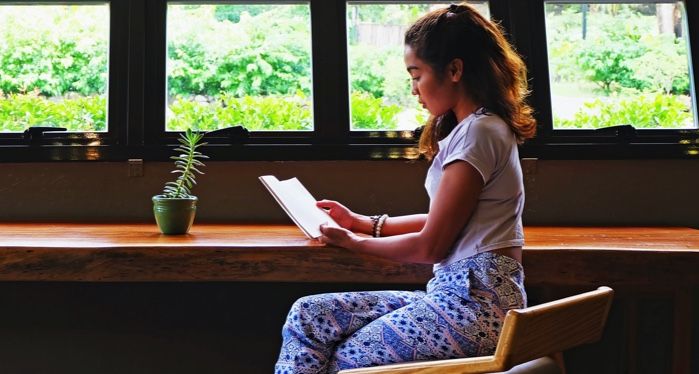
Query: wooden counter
218	252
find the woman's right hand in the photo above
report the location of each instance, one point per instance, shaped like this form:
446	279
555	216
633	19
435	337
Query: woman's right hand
341	214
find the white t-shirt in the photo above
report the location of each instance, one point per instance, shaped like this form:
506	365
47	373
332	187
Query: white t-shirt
485	141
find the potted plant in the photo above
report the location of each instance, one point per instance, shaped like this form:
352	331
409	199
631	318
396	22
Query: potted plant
175	208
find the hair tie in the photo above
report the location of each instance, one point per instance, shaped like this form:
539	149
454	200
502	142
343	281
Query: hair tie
455	9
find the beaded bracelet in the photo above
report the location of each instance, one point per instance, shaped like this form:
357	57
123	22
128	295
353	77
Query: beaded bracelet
374	223
378	224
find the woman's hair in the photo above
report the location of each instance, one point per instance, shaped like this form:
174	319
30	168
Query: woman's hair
494	75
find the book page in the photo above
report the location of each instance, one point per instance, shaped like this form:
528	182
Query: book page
299	204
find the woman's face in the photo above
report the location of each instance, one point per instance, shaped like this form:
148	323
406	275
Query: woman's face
434	94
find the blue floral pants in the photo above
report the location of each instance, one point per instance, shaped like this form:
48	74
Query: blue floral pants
460	315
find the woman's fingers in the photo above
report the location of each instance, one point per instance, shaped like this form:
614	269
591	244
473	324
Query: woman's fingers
333	235
327	231
327	204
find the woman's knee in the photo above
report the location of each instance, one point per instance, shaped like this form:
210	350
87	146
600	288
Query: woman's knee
307	310
311	304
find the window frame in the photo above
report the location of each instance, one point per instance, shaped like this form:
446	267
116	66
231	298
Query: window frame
116	105
553	143
137	89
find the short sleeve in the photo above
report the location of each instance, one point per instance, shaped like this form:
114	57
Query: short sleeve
481	144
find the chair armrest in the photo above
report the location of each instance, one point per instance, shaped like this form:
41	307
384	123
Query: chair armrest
471	365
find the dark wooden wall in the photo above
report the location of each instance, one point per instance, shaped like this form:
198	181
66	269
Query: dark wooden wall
235	327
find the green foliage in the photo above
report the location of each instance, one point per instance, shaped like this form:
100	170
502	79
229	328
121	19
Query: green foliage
55	72
53	68
655	111
397	85
367	70
18	112
563	43
233	13
605	59
58	55
622	50
380	73
663	67
255	113
187	165
272	113
370	113
265	51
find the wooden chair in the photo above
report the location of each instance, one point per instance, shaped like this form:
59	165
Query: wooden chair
527	334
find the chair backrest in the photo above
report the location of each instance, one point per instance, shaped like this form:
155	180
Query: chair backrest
551	327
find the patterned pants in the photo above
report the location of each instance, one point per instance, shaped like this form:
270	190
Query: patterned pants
460	315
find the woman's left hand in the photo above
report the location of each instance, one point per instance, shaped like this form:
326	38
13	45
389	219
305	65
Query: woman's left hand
338	236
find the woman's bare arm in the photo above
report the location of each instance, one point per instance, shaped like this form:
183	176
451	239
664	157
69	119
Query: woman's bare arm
456	198
393	225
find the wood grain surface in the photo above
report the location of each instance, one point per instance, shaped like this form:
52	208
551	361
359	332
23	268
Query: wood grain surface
578	256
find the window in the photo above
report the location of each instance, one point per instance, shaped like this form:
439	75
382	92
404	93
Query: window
380	96
325	79
619	64
54	67
239	64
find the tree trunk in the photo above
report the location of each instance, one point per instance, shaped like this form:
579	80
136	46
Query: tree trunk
677	20
665	16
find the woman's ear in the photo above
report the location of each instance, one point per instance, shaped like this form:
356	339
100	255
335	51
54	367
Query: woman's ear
455	69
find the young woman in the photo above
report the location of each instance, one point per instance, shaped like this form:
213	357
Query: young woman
473	83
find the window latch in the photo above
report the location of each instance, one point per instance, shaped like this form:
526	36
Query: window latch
35	133
623	133
235	134
417	133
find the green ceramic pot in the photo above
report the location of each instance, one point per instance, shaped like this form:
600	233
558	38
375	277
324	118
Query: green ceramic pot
174	216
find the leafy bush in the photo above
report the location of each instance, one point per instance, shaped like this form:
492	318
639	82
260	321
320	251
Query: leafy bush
380	73
272	113
53	68
370	113
397	86
367	70
621	50
655	111
605	59
234	12
256	113
663	67
56	55
18	112
264	54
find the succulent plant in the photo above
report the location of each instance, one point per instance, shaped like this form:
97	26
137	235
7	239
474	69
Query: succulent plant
187	165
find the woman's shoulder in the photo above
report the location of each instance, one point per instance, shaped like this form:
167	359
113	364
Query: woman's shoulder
490	123
486	127
482	128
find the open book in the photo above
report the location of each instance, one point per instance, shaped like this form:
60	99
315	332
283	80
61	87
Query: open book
299	204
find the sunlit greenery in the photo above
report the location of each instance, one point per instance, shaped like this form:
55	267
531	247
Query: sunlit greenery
610	65
251	65
644	112
53	66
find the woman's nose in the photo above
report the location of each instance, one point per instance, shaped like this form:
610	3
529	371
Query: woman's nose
413	88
